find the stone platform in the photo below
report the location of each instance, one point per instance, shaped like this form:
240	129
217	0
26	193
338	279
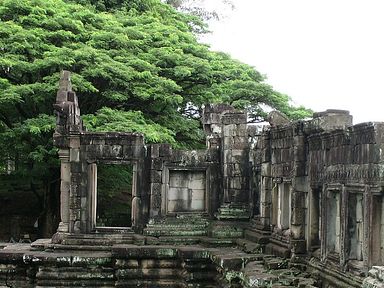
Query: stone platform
43	264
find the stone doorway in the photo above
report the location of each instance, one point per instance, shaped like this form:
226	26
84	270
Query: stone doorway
112	188
314	219
333	223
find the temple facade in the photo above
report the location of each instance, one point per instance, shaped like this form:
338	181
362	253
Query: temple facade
305	197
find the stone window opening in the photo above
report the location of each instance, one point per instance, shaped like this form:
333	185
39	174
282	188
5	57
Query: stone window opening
112	190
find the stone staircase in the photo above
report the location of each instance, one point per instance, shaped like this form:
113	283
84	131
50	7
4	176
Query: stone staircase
234	212
181	227
99	239
163	267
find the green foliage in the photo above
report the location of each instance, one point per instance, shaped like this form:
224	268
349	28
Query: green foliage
107	119
31	143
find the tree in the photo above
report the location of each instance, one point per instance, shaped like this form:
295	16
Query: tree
199	7
134	62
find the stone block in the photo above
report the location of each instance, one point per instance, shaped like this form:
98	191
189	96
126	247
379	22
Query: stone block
74	142
234	118
301	184
299	246
198	194
266	155
197	204
76	167
75	202
286	155
240	143
227	142
198	183
138	152
297	216
154	150
297	199
178	194
74	155
98	150
235	182
265	169
165	150
178	179
157	164
176	206
229	130
155	188
112	151
155	176
128	151
299	153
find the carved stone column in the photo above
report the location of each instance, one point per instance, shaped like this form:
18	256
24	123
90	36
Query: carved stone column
64	190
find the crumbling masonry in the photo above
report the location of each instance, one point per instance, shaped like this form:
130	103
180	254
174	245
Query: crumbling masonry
297	204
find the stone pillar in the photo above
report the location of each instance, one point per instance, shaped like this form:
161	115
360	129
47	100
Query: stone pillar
92	196
77	205
65	173
300	188
236	170
323	223
344	237
235	157
263	220
157	179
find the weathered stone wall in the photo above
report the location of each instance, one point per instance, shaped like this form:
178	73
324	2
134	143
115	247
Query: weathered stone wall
347	156
333	175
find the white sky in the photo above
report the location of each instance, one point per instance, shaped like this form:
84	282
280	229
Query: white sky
322	53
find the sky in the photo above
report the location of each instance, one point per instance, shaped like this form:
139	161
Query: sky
324	54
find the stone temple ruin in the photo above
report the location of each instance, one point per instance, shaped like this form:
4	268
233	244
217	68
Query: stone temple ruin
298	204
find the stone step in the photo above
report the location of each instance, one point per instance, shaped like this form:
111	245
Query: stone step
97	242
233	259
97	239
248	246
217	242
73	283
234	212
275	263
100	236
75	247
181	240
75	275
159	231
201	284
260	237
114	230
185	219
182	226
148	283
148	273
